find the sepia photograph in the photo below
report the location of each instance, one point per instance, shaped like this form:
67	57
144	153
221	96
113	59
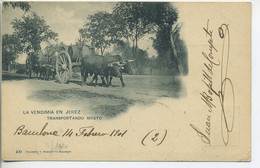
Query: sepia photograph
104	57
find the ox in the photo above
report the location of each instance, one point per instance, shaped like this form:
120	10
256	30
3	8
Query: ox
116	69
35	70
48	71
110	59
103	66
44	70
93	64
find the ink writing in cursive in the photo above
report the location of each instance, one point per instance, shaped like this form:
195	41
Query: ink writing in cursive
226	86
210	62
88	131
227	89
21	130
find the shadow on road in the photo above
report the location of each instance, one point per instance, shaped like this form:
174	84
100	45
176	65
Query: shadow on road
100	104
14	76
101	100
91	84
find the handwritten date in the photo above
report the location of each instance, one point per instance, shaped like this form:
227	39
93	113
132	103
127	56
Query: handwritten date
88	131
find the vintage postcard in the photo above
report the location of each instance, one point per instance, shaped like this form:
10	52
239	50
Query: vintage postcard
126	81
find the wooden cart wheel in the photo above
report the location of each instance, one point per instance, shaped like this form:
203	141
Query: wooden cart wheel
63	67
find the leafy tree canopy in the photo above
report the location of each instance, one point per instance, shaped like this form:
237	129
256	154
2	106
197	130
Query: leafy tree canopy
25	6
100	30
131	16
31	30
163	14
10	48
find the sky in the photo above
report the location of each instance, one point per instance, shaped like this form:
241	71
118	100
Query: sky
66	18
63	18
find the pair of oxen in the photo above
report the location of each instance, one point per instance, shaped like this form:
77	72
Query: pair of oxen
106	67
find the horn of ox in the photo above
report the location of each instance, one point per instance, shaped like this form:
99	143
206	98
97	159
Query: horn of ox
129	61
110	65
120	64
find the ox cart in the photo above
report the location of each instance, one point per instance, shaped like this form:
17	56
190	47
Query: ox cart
108	67
69	58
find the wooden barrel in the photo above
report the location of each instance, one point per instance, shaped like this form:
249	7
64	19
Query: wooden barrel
74	52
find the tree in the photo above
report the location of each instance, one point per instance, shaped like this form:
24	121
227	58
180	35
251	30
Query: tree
11	48
164	16
131	16
100	30
179	50
25	6
140	18
32	30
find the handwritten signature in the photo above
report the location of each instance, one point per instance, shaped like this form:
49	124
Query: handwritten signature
225	93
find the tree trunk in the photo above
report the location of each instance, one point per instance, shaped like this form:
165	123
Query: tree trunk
136	37
101	50
174	51
133	48
30	66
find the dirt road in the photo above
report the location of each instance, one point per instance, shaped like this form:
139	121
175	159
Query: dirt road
107	102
